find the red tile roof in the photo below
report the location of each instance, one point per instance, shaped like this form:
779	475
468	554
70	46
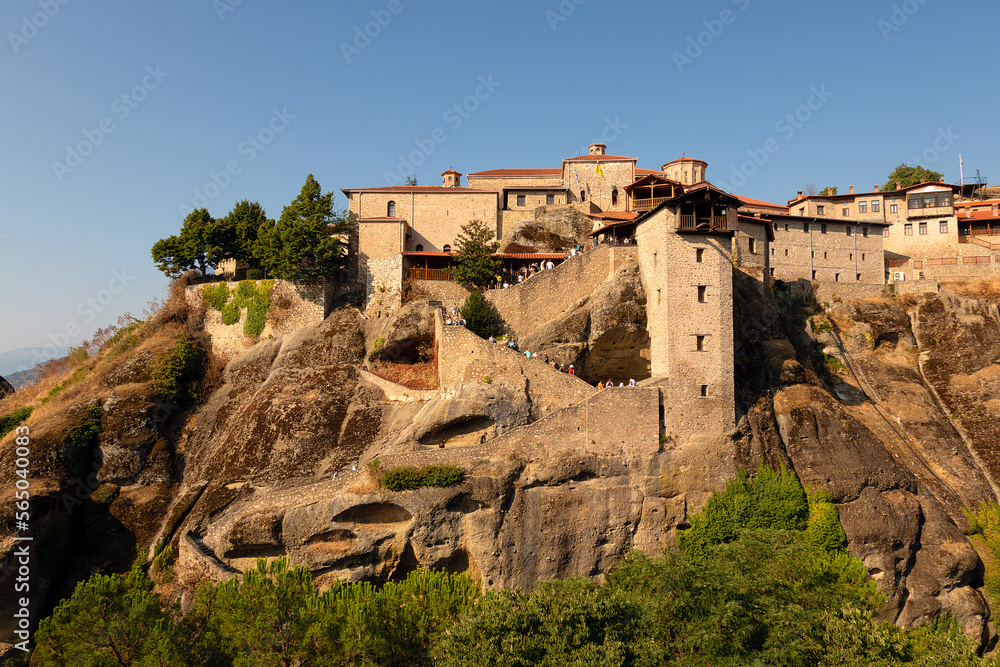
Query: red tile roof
749	201
976	204
422	189
599	158
646	172
519	172
624	216
685	159
978	215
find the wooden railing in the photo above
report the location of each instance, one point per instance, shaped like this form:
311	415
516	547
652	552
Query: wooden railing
418	273
648	204
715	223
898	263
979	242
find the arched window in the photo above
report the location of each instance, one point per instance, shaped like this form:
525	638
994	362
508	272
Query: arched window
447	248
420	247
391	212
583	196
614	196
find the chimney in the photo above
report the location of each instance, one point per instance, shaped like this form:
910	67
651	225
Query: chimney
899	185
452	178
876	187
597	149
800	193
851	190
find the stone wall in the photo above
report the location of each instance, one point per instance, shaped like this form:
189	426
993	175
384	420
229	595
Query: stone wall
823	250
435	218
305	306
465	358
438	290
689	304
751	249
397	392
543	296
383	284
966	260
597	187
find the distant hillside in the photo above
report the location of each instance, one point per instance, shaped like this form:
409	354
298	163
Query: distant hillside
25	358
22	379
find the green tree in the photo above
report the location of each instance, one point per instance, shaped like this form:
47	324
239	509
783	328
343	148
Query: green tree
475	263
237	233
908	176
196	247
411	180
309	241
109	620
481	317
828	192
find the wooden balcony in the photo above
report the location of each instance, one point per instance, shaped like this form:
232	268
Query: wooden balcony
640	205
712	223
419	273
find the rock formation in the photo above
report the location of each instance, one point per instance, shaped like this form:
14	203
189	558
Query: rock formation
554	229
6	388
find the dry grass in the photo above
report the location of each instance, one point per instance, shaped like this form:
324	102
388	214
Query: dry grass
988	290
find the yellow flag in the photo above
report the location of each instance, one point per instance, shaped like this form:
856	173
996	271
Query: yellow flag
600	172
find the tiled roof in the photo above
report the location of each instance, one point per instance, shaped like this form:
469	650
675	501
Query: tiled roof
422	189
519	172
500	255
623	216
646	172
749	201
977	215
599	158
976	204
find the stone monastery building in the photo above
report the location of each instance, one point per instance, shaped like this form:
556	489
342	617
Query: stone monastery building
686	236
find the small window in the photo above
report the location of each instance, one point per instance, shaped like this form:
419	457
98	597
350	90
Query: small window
805	226
699	255
908	229
850	230
550	199
858	278
814	275
447	248
700	343
885	232
786	252
822	228
420	247
875	206
391	210
864	232
836	277
814	254
893	208
702	289
825	256
923	229
775	226
862	207
704	390
773	251
520	200
819	210
786	226
863	256
753	246
772	273
850	257
614	196
846	211
583	195
943	227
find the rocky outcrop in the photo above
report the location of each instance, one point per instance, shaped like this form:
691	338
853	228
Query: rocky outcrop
6	388
554	229
603	335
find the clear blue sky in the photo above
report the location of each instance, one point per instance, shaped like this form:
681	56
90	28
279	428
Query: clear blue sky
199	78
